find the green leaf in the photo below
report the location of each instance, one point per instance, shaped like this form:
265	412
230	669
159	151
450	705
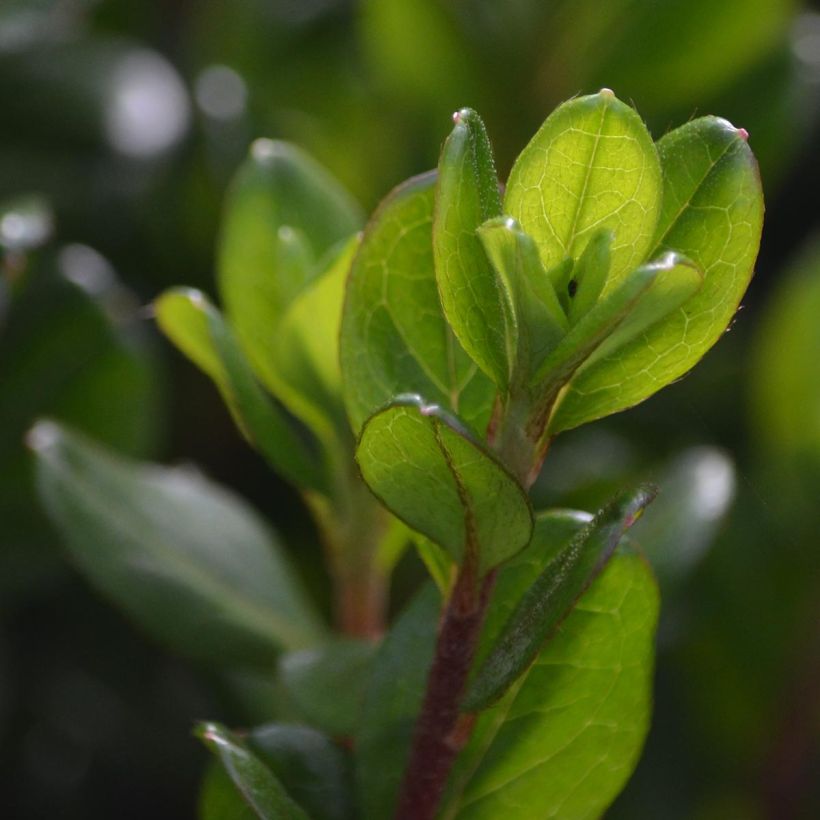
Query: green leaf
477	303
592	165
325	685
394	336
188	561
305	345
590	274
197	328
535	314
219	799
392	702
645	296
315	771
284	216
431	473
256	783
712	212
565	739
552	596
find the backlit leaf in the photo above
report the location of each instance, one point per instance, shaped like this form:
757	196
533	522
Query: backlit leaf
394	335
443	483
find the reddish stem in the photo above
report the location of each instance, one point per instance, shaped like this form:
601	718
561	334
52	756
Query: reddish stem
441	730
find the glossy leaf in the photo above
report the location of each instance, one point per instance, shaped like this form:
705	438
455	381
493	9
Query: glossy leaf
392	701
316	772
188	561
439	480
325	685
551	597
197	328
564	740
257	784
284	216
478	304
536	316
592	165
712	212
394	336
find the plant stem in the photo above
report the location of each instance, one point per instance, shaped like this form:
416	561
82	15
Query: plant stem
441	730
361	598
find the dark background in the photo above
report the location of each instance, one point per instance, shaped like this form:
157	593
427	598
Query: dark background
124	120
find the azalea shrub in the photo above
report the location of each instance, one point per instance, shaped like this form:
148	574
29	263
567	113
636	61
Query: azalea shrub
408	374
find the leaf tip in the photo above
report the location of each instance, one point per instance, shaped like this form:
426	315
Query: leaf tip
463	116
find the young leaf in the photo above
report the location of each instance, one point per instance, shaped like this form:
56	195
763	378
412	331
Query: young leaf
283	216
189	562
283	213
713	213
564	740
432	474
305	345
325	685
392	702
590	274
394	336
536	313
477	303
645	296
592	165
256	782
551	597
315	771
197	328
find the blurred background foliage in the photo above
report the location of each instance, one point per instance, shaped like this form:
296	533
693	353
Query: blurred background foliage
122	122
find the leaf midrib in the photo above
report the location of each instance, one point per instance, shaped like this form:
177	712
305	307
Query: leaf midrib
259	619
659	245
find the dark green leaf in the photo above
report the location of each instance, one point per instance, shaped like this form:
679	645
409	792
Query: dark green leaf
477	303
326	684
256	782
219	799
394	336
431	473
592	165
393	699
188	561
564	740
197	328
552	596
712	212
315	771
